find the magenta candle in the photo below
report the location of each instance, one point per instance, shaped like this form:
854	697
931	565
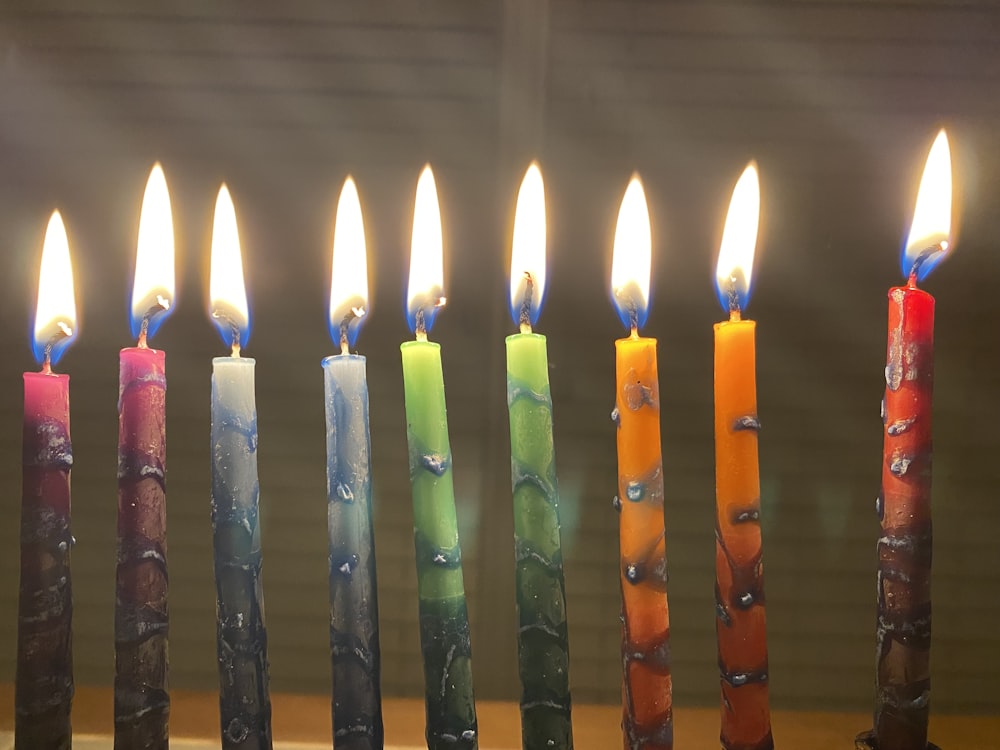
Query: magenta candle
44	681
142	703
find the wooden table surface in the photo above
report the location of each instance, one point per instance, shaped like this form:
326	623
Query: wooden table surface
306	719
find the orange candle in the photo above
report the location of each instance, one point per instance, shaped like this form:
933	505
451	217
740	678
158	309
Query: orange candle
739	589
647	722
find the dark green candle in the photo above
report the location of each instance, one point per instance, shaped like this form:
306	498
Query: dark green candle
543	649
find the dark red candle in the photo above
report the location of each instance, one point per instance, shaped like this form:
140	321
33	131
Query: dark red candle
142	703
903	625
44	689
43	692
903	633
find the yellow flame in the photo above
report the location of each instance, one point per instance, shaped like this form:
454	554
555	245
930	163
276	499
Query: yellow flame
527	258
153	286
739	238
426	249
227	291
349	281
932	214
55	316
633	251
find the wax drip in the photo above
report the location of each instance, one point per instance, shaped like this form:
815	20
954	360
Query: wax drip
524	318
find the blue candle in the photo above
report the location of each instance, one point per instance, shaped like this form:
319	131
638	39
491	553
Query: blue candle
244	702
354	645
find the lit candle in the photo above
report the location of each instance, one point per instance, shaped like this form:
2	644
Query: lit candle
543	649
739	577
43	693
354	644
244	702
646	696
903	630
444	619
142	704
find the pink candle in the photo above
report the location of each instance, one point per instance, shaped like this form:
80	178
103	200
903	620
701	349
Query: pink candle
44	682
142	703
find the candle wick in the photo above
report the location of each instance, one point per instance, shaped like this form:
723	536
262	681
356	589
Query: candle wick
734	300
420	326
236	340
524	318
63	331
352	314
633	318
161	305
922	257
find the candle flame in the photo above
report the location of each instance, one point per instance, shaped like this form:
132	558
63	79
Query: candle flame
632	257
929	240
734	271
425	294
227	290
349	280
55	315
527	257
153	286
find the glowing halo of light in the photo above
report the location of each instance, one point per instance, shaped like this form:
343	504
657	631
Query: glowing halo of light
55	313
631	260
154	283
527	258
227	289
929	240
349	272
734	270
425	290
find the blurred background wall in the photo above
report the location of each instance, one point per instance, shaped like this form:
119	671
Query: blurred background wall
838	101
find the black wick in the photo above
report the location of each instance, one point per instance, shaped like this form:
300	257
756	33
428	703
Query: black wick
524	318
926	254
353	314
734	297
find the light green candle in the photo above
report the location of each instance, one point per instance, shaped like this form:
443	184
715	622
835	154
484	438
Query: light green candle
543	649
444	620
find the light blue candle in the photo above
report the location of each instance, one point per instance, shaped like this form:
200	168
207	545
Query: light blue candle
354	644
244	702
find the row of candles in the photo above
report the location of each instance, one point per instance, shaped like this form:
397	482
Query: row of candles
44	675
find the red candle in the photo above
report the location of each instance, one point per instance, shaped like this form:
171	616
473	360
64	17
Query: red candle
142	704
903	631
44	682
